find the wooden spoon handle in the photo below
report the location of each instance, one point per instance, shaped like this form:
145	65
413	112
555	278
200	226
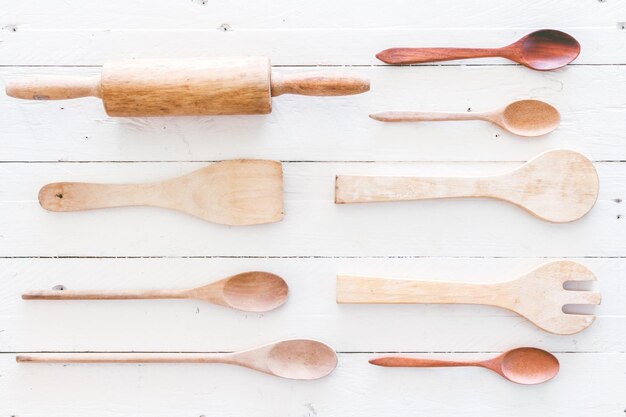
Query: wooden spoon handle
420	55
399	361
413	116
54	87
364	290
318	84
127	358
101	295
74	196
363	189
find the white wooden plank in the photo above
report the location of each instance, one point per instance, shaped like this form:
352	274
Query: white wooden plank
590	99
313	224
297	14
285	47
588	384
311	311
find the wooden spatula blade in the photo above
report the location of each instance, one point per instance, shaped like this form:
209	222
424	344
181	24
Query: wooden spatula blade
239	192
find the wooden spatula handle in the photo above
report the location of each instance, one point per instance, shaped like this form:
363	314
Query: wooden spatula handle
74	196
318	84
421	55
364	189
400	361
101	295
54	87
365	290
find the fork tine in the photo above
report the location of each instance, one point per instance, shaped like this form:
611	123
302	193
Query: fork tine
582	297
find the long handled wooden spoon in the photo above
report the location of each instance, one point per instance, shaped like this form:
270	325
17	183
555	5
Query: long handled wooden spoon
249	291
523	117
542	50
558	186
524	365
184	87
236	193
292	359
538	295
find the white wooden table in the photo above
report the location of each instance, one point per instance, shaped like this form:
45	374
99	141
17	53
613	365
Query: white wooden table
316	138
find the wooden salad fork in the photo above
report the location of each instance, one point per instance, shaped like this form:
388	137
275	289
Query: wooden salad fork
559	186
234	193
539	295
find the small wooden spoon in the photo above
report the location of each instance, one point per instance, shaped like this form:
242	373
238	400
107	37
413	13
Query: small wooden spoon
542	50
523	117
291	359
524	365
248	291
235	193
558	186
538	295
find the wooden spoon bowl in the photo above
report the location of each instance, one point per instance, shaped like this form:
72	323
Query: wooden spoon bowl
529	118
528	366
255	291
546	49
316	359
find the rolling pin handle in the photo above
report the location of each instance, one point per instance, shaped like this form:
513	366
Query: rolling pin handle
54	87
318	84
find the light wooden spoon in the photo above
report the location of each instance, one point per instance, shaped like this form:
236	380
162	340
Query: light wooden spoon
538	295
523	117
559	186
292	359
524	365
235	193
248	291
541	50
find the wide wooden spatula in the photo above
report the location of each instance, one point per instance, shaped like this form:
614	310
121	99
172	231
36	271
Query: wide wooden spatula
538	295
558	186
236	193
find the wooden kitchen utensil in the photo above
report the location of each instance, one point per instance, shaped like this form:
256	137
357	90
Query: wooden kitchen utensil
522	365
183	87
541	50
523	117
292	359
236	193
249	291
538	295
559	186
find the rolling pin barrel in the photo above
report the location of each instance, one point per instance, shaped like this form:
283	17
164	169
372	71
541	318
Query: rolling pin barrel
187	87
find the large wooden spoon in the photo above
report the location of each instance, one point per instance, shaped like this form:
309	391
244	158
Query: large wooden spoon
248	291
524	365
558	186
538	295
541	50
236	193
523	117
292	359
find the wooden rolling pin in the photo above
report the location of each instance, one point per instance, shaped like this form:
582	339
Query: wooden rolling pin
187	87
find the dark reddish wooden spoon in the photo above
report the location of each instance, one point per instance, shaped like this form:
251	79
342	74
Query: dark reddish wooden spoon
542	50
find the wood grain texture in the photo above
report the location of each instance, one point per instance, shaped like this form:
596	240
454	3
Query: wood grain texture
541	50
182	325
538	295
371	390
315	226
559	186
236	193
306	128
253	291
